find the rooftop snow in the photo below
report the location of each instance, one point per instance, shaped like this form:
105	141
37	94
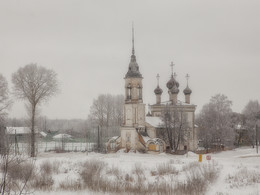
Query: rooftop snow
62	136
154	121
18	130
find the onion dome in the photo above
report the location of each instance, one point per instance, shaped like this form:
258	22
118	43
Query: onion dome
174	90
172	82
158	90
187	90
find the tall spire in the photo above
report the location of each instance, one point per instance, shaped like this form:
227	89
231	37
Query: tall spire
133	39
133	69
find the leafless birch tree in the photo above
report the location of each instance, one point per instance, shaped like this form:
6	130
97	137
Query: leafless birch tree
35	84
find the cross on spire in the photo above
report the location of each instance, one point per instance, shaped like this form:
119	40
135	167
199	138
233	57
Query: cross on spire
187	78
172	64
133	39
158	77
175	75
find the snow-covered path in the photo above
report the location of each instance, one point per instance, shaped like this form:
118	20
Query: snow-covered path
231	162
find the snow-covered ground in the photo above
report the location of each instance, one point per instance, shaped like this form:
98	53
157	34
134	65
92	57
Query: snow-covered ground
235	168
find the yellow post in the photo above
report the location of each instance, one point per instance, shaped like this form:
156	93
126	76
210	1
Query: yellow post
200	157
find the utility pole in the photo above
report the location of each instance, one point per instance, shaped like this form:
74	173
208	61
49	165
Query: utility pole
256	131
45	124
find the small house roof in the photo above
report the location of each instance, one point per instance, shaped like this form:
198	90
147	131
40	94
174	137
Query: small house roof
43	134
62	136
19	130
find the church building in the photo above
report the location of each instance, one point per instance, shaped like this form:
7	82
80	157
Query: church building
141	131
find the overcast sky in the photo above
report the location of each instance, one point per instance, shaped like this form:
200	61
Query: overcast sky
88	44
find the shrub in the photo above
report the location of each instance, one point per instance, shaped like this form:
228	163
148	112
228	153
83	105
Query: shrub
20	170
91	173
165	169
71	185
46	168
114	171
197	180
42	181
192	165
55	166
16	173
138	170
243	177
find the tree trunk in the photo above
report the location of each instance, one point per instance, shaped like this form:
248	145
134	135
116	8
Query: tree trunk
256	139
239	139
169	137
33	132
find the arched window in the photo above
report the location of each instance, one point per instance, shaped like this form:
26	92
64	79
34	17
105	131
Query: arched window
139	89
129	91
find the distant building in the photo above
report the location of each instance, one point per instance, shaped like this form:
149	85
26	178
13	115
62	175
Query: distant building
20	133
62	136
141	132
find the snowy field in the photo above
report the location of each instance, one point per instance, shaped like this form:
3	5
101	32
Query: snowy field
231	172
238	170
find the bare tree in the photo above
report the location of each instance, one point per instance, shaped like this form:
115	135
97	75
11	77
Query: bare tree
35	84
215	122
176	126
5	102
252	113
106	112
15	172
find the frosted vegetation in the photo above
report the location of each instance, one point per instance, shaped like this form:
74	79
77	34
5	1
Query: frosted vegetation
97	176
230	172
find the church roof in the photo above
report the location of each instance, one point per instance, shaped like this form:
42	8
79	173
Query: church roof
133	69
179	103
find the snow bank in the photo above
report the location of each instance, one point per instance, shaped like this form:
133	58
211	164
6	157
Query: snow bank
192	154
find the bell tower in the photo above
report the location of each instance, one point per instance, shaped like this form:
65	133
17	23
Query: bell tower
133	79
134	109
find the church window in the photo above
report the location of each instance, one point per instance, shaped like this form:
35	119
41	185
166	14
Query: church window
129	91
139	92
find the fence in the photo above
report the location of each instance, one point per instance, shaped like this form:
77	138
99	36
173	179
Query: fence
58	146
